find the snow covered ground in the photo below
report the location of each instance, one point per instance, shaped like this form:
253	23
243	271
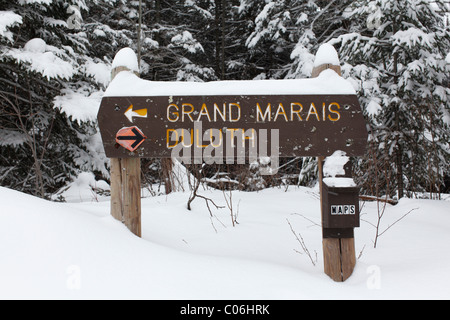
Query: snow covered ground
78	251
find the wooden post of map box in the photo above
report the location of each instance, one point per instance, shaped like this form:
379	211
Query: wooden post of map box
338	252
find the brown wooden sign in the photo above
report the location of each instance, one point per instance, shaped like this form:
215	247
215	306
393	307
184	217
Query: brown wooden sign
325	118
308	125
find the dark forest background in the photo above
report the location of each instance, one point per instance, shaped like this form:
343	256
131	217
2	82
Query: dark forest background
55	59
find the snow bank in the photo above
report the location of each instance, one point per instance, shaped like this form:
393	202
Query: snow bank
78	251
83	189
128	84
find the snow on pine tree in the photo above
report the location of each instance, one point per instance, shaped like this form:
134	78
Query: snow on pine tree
316	22
272	39
287	34
172	50
396	56
49	96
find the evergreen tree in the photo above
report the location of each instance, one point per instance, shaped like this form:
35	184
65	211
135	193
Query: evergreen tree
49	96
397	53
172	35
272	39
316	22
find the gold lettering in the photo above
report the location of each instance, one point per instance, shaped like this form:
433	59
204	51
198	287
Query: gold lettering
199	143
323	112
188	113
174	113
169	135
247	137
230	110
211	138
338	117
297	112
283	112
204	112
313	110
232	130
222	114
267	114
183	138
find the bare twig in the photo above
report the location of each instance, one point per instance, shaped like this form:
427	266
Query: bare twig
29	135
209	200
361	252
381	199
313	222
229	201
302	244
396	221
194	195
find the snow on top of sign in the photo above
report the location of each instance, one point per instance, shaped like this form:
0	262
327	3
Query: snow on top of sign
334	166
339	182
126	57
326	55
127	84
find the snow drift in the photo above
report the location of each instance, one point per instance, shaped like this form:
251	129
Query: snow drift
78	251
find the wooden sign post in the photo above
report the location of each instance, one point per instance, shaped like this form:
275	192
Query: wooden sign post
306	117
338	251
126	185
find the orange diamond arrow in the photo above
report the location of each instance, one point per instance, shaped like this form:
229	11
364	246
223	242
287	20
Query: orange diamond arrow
130	138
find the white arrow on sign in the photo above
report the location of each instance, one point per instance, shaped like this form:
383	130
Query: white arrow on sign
130	113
